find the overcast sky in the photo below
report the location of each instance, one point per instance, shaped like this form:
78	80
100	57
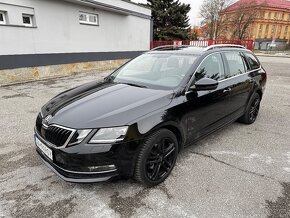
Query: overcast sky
193	14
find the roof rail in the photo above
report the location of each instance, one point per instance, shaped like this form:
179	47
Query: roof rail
223	45
169	46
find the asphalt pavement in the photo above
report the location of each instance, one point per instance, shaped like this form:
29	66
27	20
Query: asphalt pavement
240	171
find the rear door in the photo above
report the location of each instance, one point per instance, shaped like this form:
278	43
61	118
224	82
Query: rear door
241	83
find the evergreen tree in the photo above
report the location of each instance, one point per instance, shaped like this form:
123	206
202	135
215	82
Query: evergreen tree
170	19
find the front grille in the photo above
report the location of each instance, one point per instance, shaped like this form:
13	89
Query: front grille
56	135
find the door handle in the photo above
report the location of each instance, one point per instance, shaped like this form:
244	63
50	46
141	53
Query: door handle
227	90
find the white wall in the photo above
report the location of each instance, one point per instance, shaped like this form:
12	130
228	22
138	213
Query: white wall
58	29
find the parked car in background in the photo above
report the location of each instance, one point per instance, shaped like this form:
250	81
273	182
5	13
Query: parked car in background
136	121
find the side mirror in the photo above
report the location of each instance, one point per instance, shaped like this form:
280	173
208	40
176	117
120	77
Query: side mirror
205	84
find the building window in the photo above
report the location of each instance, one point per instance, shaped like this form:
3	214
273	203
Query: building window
275	16
286	30
27	20
87	18
282	16
273	28
280	29
261	28
269	15
2	17
267	28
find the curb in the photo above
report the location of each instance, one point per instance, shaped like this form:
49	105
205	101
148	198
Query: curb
273	56
32	81
54	78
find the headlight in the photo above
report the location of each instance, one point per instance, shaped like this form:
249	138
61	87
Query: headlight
109	135
79	136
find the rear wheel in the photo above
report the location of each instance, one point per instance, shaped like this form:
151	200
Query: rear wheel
252	111
156	158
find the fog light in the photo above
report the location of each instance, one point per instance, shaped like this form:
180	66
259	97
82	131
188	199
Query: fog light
103	169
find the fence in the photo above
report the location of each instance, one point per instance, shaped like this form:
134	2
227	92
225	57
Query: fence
203	43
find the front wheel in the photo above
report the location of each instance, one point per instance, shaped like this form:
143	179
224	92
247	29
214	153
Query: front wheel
252	110
156	158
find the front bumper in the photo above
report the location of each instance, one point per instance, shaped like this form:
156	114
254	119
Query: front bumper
85	163
77	177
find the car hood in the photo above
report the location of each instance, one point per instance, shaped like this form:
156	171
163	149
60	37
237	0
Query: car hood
104	104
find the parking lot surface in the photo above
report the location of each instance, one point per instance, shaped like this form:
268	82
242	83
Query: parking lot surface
240	171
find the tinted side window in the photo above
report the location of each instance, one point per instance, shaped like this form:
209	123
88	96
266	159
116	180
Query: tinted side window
252	60
211	67
235	63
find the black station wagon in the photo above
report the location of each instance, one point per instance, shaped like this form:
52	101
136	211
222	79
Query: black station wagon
136	121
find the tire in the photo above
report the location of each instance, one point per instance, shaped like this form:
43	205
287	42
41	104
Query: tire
156	158
252	110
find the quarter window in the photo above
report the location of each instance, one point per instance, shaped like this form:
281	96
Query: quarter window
87	18
2	18
235	63
27	20
252	60
212	67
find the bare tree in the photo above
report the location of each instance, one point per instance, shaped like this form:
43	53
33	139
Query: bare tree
237	20
210	12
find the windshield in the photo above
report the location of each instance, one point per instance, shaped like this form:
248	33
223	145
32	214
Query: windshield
155	70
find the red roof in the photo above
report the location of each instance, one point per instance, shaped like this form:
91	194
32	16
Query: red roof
283	4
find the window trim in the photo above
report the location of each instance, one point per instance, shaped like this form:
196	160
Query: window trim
246	64
30	18
4	22
225	79
87	22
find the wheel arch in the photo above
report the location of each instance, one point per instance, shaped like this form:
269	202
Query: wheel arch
175	129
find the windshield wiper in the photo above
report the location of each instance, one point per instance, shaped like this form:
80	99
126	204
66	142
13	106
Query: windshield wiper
133	84
109	78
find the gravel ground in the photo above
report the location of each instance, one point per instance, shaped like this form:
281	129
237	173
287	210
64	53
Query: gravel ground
240	171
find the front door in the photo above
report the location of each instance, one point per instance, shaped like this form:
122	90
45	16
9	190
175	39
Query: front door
206	110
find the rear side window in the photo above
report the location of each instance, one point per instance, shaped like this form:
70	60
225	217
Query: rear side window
252	60
211	67
235	63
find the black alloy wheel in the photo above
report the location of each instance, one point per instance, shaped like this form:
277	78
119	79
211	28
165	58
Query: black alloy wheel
156	158
161	159
252	111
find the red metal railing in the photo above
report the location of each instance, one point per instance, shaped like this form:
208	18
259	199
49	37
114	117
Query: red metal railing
203	43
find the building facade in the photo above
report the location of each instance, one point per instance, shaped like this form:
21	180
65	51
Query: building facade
271	25
40	38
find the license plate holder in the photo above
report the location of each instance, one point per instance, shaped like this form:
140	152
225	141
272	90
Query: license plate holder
43	148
